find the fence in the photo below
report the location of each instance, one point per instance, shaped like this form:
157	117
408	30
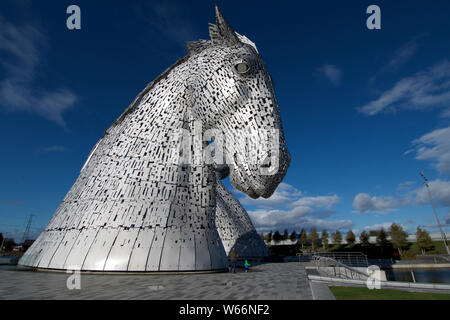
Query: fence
350	259
433	258
341	264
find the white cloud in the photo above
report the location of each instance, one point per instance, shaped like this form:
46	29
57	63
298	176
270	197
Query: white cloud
21	50
331	72
274	218
284	195
435	146
403	54
364	203
424	90
267	220
288	196
321	224
288	208
446	113
317	202
399	58
440	191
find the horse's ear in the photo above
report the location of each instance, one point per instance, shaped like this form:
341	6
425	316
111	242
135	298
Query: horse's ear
221	32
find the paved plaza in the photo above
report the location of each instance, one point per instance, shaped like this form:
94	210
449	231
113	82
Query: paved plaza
274	281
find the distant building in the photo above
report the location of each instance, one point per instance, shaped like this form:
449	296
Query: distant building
411	238
281	242
372	239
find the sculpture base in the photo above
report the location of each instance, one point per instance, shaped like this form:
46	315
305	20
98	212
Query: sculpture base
130	272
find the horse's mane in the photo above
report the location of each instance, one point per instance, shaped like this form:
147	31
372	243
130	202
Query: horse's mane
139	97
193	47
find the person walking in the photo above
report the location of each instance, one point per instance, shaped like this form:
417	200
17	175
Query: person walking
246	265
233	260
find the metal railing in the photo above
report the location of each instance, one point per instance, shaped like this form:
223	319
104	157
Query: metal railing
350	259
434	258
337	269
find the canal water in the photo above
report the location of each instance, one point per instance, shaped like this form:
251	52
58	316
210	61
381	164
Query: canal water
423	275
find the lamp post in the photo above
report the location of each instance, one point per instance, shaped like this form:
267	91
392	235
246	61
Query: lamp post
3	241
27	229
444	238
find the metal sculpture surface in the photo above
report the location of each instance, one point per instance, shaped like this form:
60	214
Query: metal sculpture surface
235	227
145	200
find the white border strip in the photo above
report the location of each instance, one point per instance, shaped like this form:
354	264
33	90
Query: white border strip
386	284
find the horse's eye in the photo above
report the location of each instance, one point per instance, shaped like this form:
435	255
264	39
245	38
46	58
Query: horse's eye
242	67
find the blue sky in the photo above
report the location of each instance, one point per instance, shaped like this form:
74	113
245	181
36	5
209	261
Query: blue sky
364	111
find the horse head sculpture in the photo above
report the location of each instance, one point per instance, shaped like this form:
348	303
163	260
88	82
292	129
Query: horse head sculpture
137	204
234	98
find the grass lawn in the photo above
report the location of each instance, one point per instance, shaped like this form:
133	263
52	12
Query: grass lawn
358	293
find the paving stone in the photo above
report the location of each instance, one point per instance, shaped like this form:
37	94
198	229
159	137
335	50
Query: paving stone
286	281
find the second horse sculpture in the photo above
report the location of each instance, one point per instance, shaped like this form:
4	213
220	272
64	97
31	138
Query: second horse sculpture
137	205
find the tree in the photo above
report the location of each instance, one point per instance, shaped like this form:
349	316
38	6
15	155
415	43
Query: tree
9	244
350	237
364	238
285	234
303	237
423	239
337	237
277	236
324	238
382	237
261	234
269	237
398	237
374	233
313	237
27	244
1	241
293	236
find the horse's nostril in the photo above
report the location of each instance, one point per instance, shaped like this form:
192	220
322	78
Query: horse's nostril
266	165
